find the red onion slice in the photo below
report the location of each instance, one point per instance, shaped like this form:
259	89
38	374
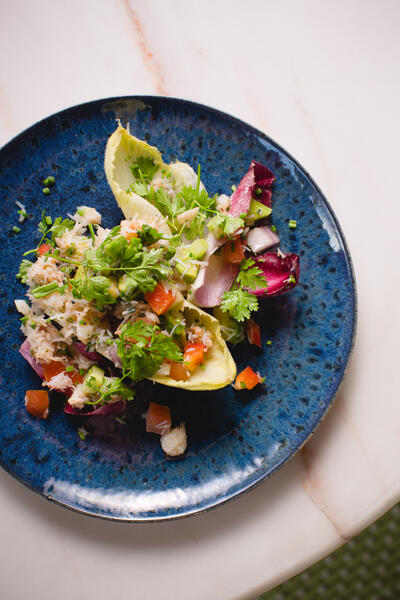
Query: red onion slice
261	238
213	281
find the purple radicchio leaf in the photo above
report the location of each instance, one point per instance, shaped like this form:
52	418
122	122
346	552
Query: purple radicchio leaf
282	272
255	184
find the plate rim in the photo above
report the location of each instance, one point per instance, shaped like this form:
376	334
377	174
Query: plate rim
286	459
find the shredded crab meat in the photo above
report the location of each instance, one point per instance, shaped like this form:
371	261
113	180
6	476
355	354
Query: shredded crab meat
129	227
134	311
159	181
44	270
198	334
72	243
101	235
89	216
61	382
188	215
223	202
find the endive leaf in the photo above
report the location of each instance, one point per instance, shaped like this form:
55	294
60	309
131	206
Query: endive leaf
122	150
219	368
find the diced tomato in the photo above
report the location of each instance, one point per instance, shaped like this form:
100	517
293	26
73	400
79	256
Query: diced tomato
160	299
37	403
232	251
55	368
76	377
193	355
158	419
178	372
247	379
253	333
52	369
44	248
130	233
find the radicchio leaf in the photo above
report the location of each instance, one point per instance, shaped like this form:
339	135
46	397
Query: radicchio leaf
105	409
25	350
282	272
255	184
90	355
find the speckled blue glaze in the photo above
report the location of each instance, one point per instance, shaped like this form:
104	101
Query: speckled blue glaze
235	439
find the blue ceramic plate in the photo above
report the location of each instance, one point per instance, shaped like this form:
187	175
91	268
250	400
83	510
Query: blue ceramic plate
236	440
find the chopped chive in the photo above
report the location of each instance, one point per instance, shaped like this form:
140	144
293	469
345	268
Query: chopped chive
258	191
92	234
82	322
16	229
273	228
32	324
46	191
80	212
45	290
24	319
82	433
48	220
81	371
292	224
69	369
49	181
291	278
269	342
233	188
243	385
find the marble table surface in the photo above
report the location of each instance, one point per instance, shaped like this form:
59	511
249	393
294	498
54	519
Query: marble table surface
321	78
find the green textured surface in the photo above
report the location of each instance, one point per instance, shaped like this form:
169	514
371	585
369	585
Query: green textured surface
366	568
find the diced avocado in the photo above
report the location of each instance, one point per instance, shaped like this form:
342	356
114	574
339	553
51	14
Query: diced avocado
124	286
214	225
188	271
231	330
256	212
93	379
113	290
198	249
79	273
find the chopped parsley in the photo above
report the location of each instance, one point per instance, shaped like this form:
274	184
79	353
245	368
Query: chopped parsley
142	348
144	169
238	302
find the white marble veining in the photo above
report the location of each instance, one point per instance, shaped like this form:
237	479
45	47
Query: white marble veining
322	79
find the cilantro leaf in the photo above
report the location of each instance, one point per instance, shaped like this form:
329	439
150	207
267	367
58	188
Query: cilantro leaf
195	229
140	188
224	225
148	235
96	288
251	276
148	268
23	270
60	226
189	197
142	349
239	303
168	205
144	169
